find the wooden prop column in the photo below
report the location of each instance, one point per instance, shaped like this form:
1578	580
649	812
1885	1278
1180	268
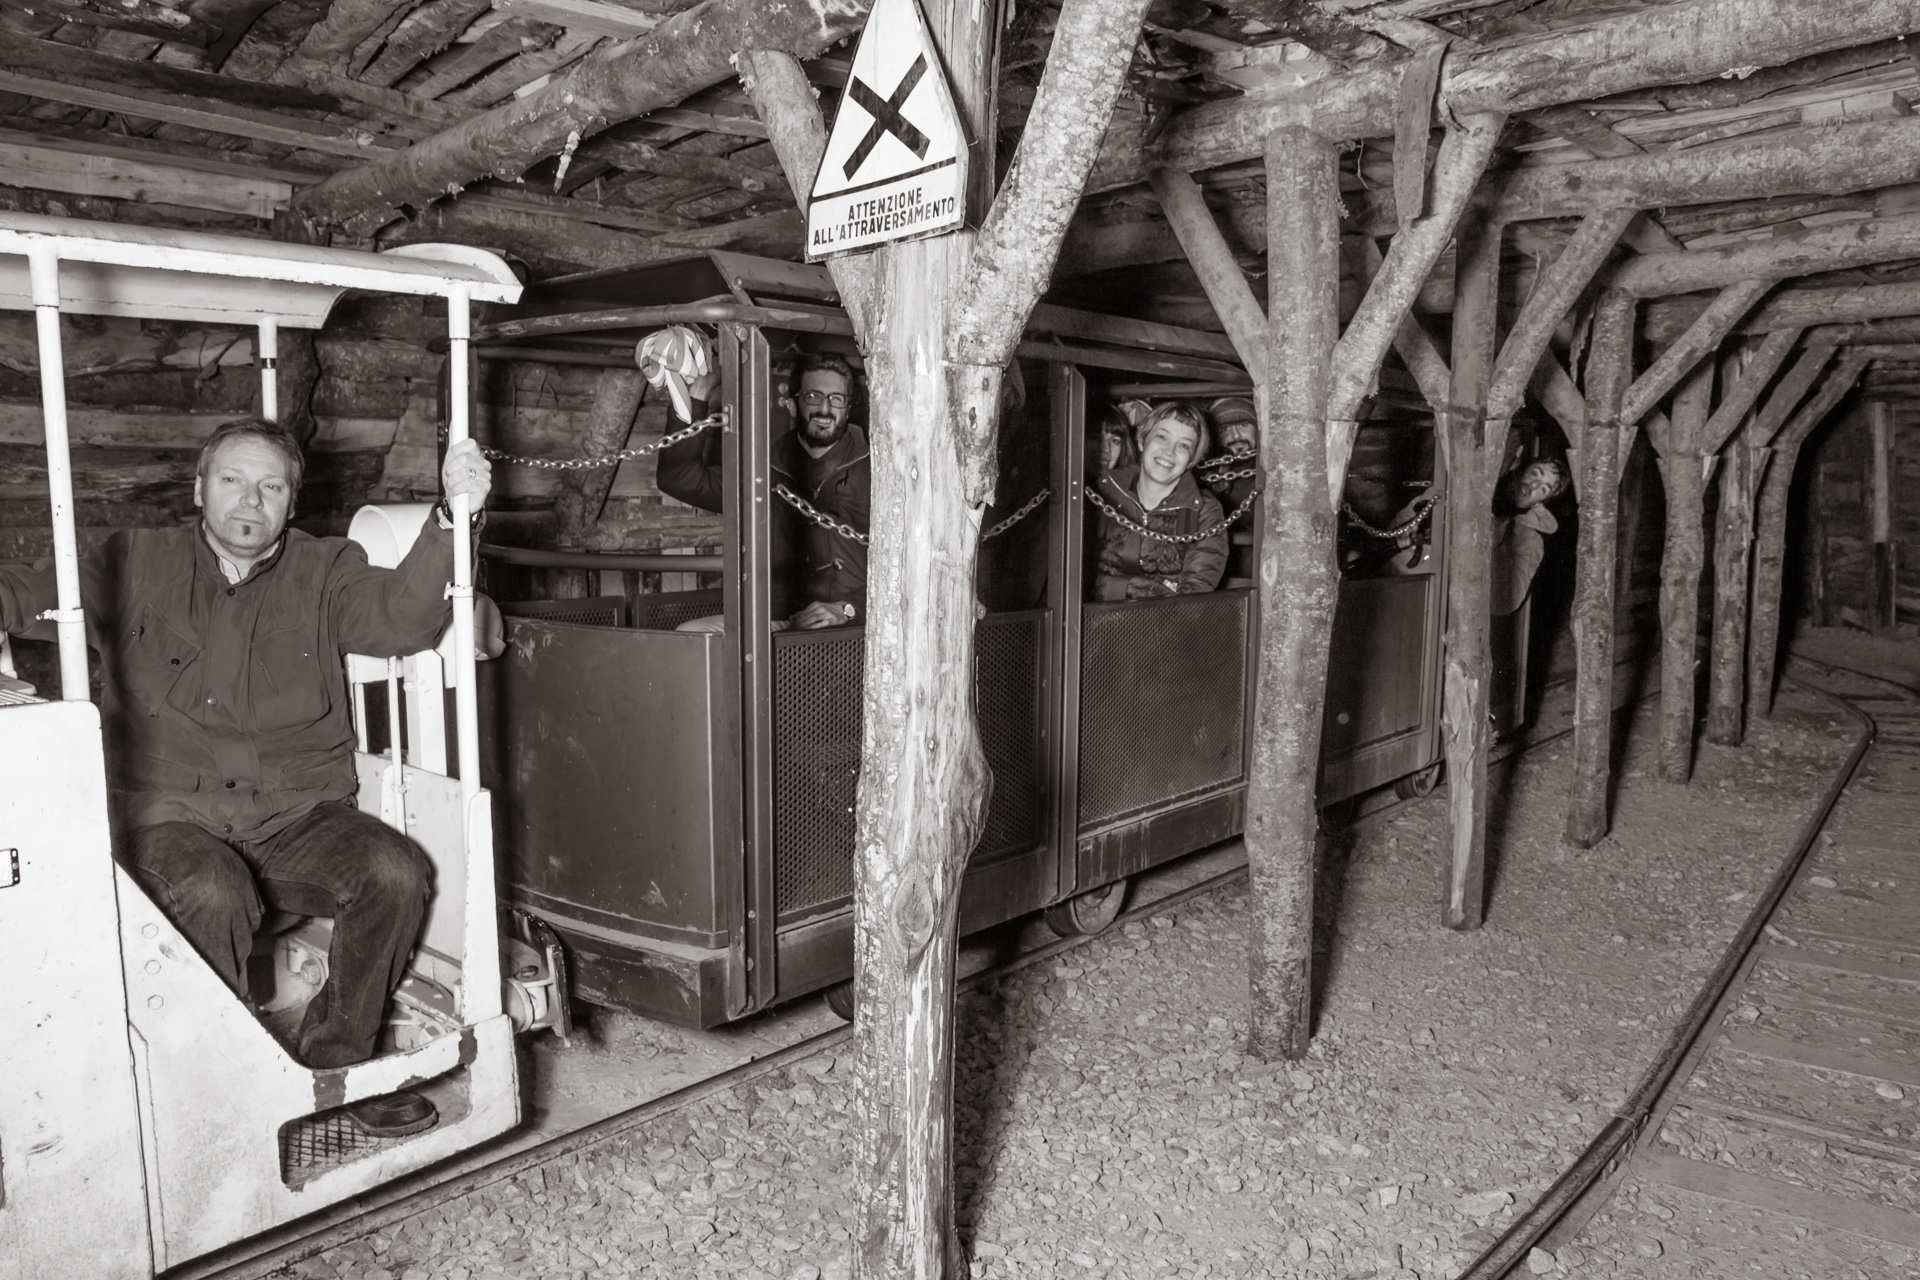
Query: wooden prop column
1776	485
1299	583
1313	389
1609	370
1884	589
1484	395
938	320
1743	453
1467	437
1682	472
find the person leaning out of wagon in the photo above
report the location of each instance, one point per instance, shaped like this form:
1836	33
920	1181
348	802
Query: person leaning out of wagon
1154	511
820	466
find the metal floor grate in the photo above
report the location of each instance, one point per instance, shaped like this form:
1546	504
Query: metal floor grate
320	1143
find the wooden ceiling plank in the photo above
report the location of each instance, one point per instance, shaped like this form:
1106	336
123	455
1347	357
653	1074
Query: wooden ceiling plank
596	16
510	39
421	34
51	59
63	167
511	77
200	113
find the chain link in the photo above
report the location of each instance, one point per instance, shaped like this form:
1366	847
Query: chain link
819	517
605	460
1423	507
1145	532
1017	516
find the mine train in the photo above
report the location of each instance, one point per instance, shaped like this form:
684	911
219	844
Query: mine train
619	811
678	807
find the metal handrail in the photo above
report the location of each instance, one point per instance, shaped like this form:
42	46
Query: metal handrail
616	561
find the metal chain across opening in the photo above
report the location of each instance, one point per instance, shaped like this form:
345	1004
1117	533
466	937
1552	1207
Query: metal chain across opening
1202	536
1423	507
604	460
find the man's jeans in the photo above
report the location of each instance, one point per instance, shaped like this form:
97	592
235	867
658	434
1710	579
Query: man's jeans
335	861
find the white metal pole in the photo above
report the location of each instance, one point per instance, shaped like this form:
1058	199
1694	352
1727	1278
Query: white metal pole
43	266
466	709
269	362
480	962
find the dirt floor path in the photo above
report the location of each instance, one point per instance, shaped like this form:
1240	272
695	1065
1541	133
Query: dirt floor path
1110	1126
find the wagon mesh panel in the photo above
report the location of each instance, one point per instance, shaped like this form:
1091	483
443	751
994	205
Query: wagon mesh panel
589	611
665	610
1007	700
817	684
1162	701
817	688
316	1144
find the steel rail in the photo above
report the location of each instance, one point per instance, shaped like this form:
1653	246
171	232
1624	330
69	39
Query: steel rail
1594	1163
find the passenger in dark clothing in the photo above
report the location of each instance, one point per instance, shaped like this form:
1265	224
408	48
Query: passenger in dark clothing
228	739
819	574
1160	495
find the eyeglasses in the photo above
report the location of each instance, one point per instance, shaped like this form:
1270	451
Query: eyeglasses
831	399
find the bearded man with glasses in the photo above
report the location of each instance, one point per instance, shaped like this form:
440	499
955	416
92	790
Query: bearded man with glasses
819	574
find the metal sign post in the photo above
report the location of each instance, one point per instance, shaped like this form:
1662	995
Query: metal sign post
895	167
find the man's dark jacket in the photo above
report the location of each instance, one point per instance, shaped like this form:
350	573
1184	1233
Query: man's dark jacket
809	563
226	703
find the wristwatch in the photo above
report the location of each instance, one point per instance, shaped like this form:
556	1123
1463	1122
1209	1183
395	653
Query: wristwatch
846	607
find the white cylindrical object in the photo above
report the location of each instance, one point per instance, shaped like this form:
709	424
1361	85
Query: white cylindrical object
269	364
43	266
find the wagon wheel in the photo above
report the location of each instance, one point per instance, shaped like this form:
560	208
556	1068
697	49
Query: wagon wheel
840	999
1087	913
1420	783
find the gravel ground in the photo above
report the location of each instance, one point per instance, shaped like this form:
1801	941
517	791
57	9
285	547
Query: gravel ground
1109	1125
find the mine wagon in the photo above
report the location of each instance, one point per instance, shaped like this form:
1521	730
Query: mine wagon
679	805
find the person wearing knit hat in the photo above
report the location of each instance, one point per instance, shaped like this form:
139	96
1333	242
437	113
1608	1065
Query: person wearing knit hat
1236	426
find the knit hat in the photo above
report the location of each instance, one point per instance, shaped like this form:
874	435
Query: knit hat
1235	424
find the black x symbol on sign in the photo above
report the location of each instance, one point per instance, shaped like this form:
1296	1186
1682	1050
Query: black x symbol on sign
886	116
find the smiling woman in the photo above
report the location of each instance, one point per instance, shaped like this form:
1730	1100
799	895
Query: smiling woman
1161	534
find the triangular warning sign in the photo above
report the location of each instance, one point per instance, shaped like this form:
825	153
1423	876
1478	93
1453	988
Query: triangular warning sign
896	161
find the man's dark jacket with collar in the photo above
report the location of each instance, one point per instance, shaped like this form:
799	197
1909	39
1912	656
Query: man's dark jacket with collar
226	703
809	563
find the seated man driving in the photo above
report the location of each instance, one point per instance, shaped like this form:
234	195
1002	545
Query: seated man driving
819	573
1154	510
229	747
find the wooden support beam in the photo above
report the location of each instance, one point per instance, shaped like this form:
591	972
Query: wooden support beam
420	35
1702	337
1411	341
681	163
1770	543
1299	585
1883	586
1828	159
686	53
1642	48
1553	387
1553	294
1683	472
1610	370
1852	244
331	41
1357	356
1467	438
1739	471
1749	378
1213	262
86	169
777	84
1792	388
52	60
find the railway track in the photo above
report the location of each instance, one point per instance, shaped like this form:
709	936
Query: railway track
387	1206
1777	1132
